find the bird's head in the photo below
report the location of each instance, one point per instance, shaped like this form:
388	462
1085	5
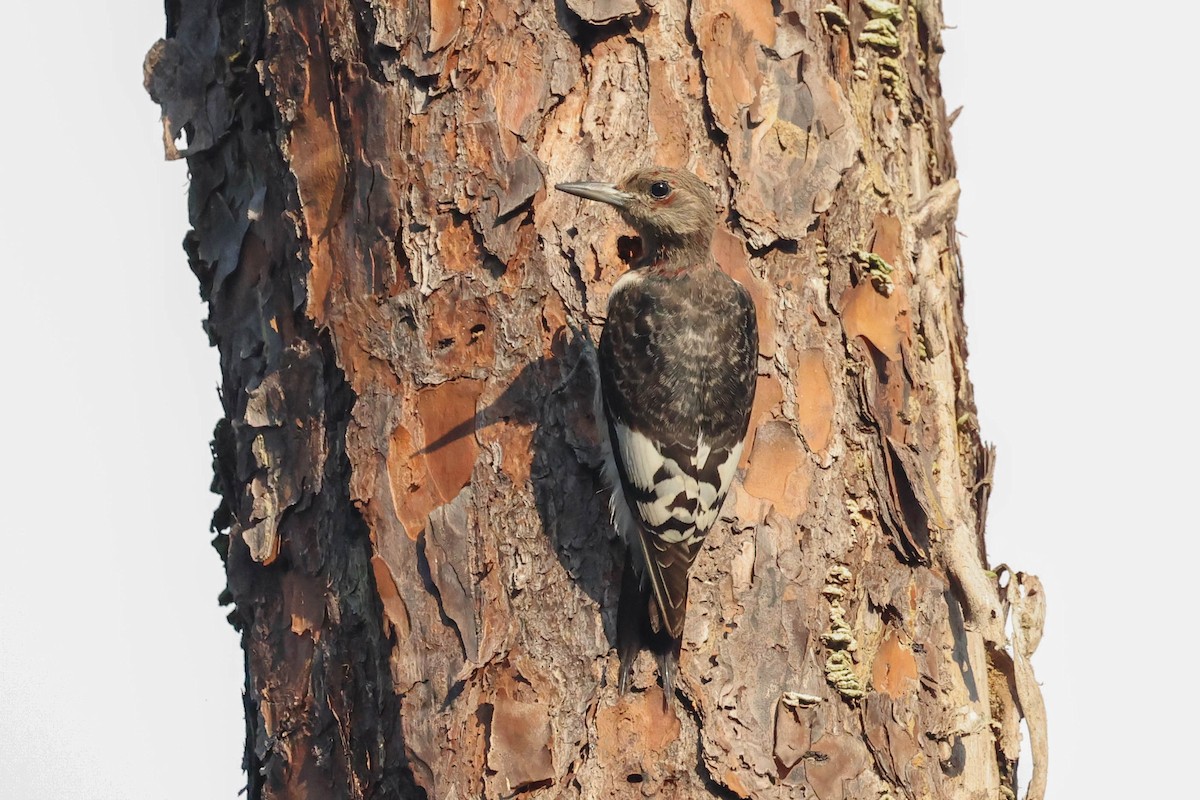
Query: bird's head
667	207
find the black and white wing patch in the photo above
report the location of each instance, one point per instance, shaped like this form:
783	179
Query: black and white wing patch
673	494
676	489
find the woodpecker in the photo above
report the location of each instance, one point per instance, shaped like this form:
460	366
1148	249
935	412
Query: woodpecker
678	362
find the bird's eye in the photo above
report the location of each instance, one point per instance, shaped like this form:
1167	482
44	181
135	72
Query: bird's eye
660	189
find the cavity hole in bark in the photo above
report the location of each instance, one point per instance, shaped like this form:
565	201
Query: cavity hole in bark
629	248
495	267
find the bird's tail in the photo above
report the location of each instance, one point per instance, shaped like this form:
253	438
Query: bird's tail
641	625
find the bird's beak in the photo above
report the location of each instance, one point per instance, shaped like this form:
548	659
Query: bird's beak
592	190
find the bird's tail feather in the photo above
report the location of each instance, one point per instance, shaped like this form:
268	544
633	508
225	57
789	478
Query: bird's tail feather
641	626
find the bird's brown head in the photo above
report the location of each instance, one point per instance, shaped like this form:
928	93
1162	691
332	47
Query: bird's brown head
667	207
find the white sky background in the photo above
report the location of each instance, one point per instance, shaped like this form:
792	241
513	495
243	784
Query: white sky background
119	677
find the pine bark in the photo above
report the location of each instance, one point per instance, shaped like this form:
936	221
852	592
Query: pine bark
418	553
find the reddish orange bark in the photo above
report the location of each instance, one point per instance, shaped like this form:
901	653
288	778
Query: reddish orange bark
416	538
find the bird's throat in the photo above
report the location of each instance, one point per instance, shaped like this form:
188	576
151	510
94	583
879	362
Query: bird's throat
674	254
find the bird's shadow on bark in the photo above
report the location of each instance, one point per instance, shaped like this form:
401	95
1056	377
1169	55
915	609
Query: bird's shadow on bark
554	395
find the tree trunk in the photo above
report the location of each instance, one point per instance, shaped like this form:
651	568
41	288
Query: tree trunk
418	551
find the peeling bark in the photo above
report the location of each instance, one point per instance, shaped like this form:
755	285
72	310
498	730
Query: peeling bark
412	519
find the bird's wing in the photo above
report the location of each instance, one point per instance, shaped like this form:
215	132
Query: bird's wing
673	504
667	567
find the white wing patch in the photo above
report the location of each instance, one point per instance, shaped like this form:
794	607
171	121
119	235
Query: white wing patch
703	451
640	457
676	492
727	469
